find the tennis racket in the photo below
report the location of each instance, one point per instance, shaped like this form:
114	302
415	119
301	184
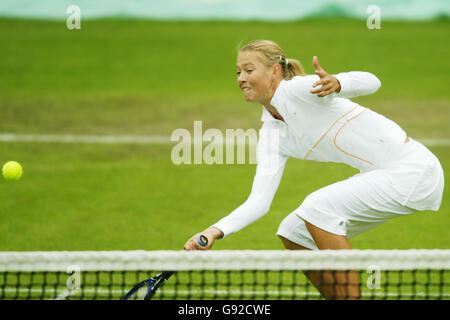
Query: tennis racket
148	287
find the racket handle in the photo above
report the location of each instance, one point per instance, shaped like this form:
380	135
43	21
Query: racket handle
203	240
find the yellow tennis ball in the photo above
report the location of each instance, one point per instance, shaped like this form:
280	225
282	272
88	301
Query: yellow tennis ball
12	170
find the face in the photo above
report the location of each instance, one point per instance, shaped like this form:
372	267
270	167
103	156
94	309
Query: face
253	77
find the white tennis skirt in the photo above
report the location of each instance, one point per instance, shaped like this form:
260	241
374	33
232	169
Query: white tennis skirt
413	181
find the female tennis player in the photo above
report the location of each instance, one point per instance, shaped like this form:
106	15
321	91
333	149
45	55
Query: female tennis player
310	117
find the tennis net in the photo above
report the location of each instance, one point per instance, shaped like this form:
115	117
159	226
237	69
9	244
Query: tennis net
226	275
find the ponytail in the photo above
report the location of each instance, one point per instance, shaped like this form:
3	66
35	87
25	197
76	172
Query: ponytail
292	68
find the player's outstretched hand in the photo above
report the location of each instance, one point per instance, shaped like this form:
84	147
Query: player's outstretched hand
327	83
197	242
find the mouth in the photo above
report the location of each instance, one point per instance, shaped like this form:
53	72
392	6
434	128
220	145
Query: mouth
245	89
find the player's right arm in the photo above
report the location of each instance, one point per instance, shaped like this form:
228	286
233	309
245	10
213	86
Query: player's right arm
269	170
256	206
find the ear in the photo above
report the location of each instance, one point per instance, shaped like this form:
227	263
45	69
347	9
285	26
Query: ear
276	68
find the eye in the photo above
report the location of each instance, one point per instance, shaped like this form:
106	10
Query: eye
238	73
249	71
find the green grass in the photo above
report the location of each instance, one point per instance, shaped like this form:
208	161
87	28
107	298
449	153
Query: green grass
150	77
197	58
145	77
89	197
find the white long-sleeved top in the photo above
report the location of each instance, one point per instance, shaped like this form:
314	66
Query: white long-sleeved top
327	129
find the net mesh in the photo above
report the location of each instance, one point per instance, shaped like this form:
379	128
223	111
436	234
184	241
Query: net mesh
228	275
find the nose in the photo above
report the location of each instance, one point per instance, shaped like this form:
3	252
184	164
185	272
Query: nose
241	78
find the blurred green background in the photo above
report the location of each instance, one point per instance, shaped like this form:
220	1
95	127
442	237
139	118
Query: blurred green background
140	77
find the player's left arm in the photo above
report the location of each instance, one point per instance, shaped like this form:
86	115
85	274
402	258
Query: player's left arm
327	83
344	85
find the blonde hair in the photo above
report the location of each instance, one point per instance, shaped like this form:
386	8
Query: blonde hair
271	53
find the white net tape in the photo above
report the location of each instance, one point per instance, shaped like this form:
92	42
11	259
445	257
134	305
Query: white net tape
225	260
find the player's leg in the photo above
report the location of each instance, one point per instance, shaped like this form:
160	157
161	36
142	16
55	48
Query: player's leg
346	283
295	236
342	210
322	280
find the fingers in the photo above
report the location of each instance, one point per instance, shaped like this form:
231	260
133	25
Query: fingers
193	244
326	86
319	83
321	89
316	63
323	85
189	245
317	66
319	70
325	93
